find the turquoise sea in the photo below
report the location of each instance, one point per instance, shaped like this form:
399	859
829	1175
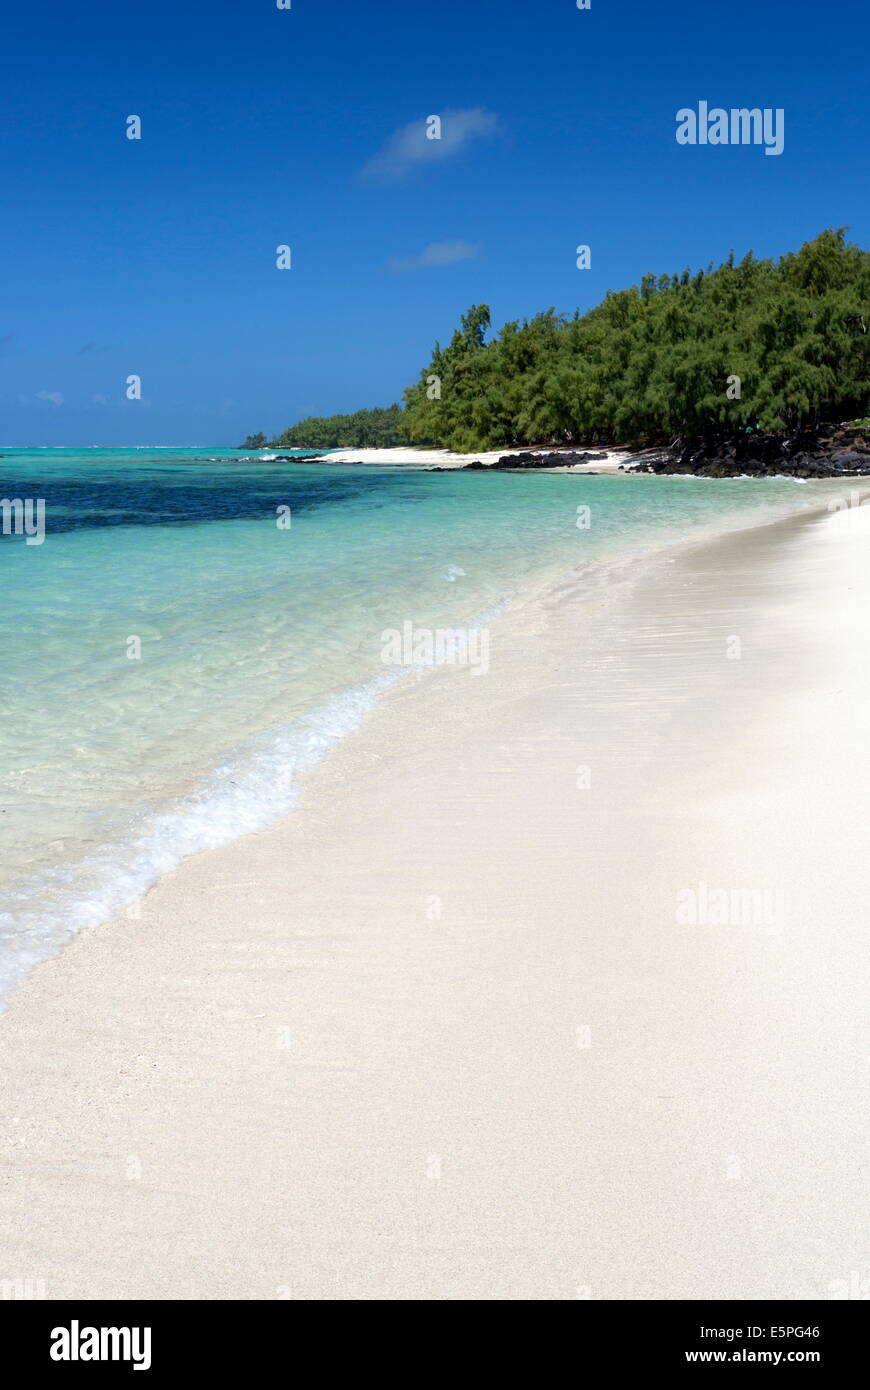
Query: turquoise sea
173	656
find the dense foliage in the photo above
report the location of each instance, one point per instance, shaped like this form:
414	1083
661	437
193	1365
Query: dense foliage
382	427
650	362
654	361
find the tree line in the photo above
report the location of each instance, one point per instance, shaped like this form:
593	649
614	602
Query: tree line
770	345
383	427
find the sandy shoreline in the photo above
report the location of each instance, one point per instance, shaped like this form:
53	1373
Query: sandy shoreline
440	1035
606	460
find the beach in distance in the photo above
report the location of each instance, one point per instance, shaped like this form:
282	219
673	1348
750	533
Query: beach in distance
602	460
536	972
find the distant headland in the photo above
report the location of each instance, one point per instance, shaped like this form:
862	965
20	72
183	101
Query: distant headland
757	366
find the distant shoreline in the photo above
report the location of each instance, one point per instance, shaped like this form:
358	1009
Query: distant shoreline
831	451
437	460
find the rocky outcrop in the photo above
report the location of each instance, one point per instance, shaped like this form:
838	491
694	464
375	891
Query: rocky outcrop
558	458
526	459
831	451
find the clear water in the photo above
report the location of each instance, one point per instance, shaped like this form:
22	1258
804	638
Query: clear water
260	645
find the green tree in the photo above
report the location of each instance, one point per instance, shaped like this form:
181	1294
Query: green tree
654	360
382	427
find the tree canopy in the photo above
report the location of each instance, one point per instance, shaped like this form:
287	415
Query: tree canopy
383	427
655	360
759	344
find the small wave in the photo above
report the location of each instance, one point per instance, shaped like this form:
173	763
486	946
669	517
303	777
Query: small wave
251	790
239	797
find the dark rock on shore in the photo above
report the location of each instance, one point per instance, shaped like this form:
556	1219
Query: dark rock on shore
831	451
554	459
524	460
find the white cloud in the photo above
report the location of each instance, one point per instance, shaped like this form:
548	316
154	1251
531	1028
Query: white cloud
54	396
440	253
409	147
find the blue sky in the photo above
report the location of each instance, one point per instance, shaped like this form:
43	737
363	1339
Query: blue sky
263	127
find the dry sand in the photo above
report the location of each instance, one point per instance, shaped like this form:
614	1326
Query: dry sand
439	1035
605	461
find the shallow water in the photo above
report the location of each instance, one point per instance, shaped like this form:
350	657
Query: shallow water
259	643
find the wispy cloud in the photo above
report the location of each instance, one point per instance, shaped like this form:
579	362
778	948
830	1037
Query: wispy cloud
409	148
99	399
54	396
440	253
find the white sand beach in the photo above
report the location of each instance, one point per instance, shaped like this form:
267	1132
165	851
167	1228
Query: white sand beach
468	1024
605	460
